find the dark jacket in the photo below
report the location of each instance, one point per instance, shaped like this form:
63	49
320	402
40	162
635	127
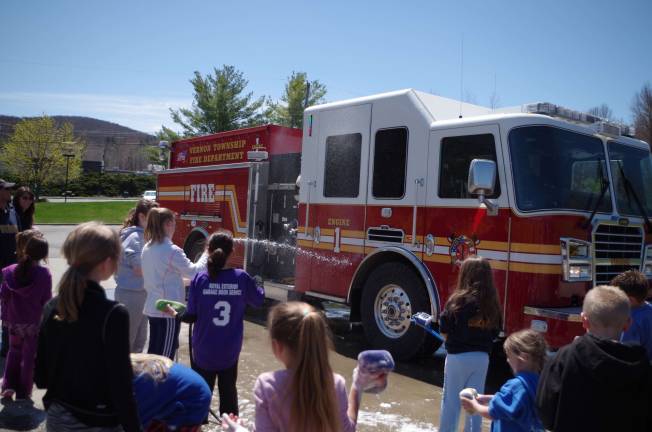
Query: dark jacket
596	384
462	335
8	230
24	222
85	365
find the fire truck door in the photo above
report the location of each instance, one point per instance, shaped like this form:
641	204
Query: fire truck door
338	195
457	226
396	187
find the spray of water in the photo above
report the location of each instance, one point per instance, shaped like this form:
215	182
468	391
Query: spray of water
275	246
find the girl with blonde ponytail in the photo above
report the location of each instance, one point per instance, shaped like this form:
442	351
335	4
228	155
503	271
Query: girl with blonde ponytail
307	395
164	265
83	346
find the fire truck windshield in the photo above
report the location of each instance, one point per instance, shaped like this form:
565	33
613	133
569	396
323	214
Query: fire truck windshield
556	169
631	169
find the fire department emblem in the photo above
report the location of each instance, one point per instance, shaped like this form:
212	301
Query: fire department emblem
181	156
462	247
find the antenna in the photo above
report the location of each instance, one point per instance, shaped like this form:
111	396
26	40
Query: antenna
461	75
305	102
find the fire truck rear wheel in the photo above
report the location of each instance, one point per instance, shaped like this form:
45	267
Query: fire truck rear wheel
391	294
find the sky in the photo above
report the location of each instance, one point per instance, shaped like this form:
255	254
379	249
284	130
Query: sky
129	61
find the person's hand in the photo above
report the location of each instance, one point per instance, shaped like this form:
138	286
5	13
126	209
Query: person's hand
169	310
484	399
232	423
467	404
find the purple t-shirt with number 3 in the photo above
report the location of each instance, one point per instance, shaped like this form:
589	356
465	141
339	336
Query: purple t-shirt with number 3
219	305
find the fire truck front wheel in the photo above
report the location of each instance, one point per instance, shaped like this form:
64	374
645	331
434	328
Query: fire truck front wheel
391	294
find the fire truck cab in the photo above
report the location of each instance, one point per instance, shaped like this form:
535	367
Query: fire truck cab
398	188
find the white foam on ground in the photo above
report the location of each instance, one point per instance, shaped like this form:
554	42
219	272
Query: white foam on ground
393	422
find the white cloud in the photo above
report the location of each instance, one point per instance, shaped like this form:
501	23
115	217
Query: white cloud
145	114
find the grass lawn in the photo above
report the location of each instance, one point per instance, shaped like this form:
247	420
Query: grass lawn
77	212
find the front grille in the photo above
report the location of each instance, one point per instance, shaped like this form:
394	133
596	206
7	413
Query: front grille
616	249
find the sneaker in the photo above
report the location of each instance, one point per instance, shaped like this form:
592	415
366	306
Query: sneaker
8	393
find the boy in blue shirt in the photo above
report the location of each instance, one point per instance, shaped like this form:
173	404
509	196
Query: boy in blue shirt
512	408
635	285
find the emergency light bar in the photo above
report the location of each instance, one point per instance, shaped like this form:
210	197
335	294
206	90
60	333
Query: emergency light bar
600	125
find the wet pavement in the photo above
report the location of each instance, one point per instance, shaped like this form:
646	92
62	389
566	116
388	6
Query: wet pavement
411	402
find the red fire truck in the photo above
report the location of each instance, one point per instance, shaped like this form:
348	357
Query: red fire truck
396	189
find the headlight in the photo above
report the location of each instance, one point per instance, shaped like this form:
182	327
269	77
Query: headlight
576	260
578	250
579	271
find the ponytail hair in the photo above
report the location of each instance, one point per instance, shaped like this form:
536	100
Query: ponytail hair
475	283
143	206
35	250
157	217
304	332
87	246
220	246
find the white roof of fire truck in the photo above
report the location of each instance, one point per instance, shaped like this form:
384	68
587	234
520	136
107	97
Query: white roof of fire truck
452	111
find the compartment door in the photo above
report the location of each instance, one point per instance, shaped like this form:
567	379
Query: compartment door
338	196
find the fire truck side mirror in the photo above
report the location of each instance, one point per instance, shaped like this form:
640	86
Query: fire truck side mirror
481	182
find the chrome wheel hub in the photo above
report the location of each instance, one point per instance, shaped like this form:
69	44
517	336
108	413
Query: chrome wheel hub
392	311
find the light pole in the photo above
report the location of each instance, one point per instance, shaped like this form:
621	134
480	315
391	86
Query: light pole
68	155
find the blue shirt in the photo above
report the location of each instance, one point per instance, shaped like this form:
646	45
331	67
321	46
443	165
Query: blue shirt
512	408
641	329
182	399
219	305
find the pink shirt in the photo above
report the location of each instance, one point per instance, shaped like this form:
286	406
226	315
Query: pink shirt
273	409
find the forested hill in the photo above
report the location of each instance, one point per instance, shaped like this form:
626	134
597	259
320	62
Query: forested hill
119	147
82	126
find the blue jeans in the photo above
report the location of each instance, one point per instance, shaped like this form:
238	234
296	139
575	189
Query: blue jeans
462	370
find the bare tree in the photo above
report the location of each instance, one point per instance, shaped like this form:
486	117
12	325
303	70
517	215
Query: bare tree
642	112
602	111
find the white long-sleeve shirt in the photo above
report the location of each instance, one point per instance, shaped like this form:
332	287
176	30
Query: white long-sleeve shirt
164	267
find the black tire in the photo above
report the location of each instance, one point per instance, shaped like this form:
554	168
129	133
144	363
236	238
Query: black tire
402	293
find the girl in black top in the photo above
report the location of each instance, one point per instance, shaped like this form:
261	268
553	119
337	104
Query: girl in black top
83	348
470	322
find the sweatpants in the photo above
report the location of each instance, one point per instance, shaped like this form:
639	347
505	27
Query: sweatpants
461	371
226	386
163	336
19	370
134	301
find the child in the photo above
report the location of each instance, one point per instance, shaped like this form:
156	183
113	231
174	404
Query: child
129	278
25	289
83	346
597	383
470	322
164	266
634	284
169	395
216	304
306	395
512	408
